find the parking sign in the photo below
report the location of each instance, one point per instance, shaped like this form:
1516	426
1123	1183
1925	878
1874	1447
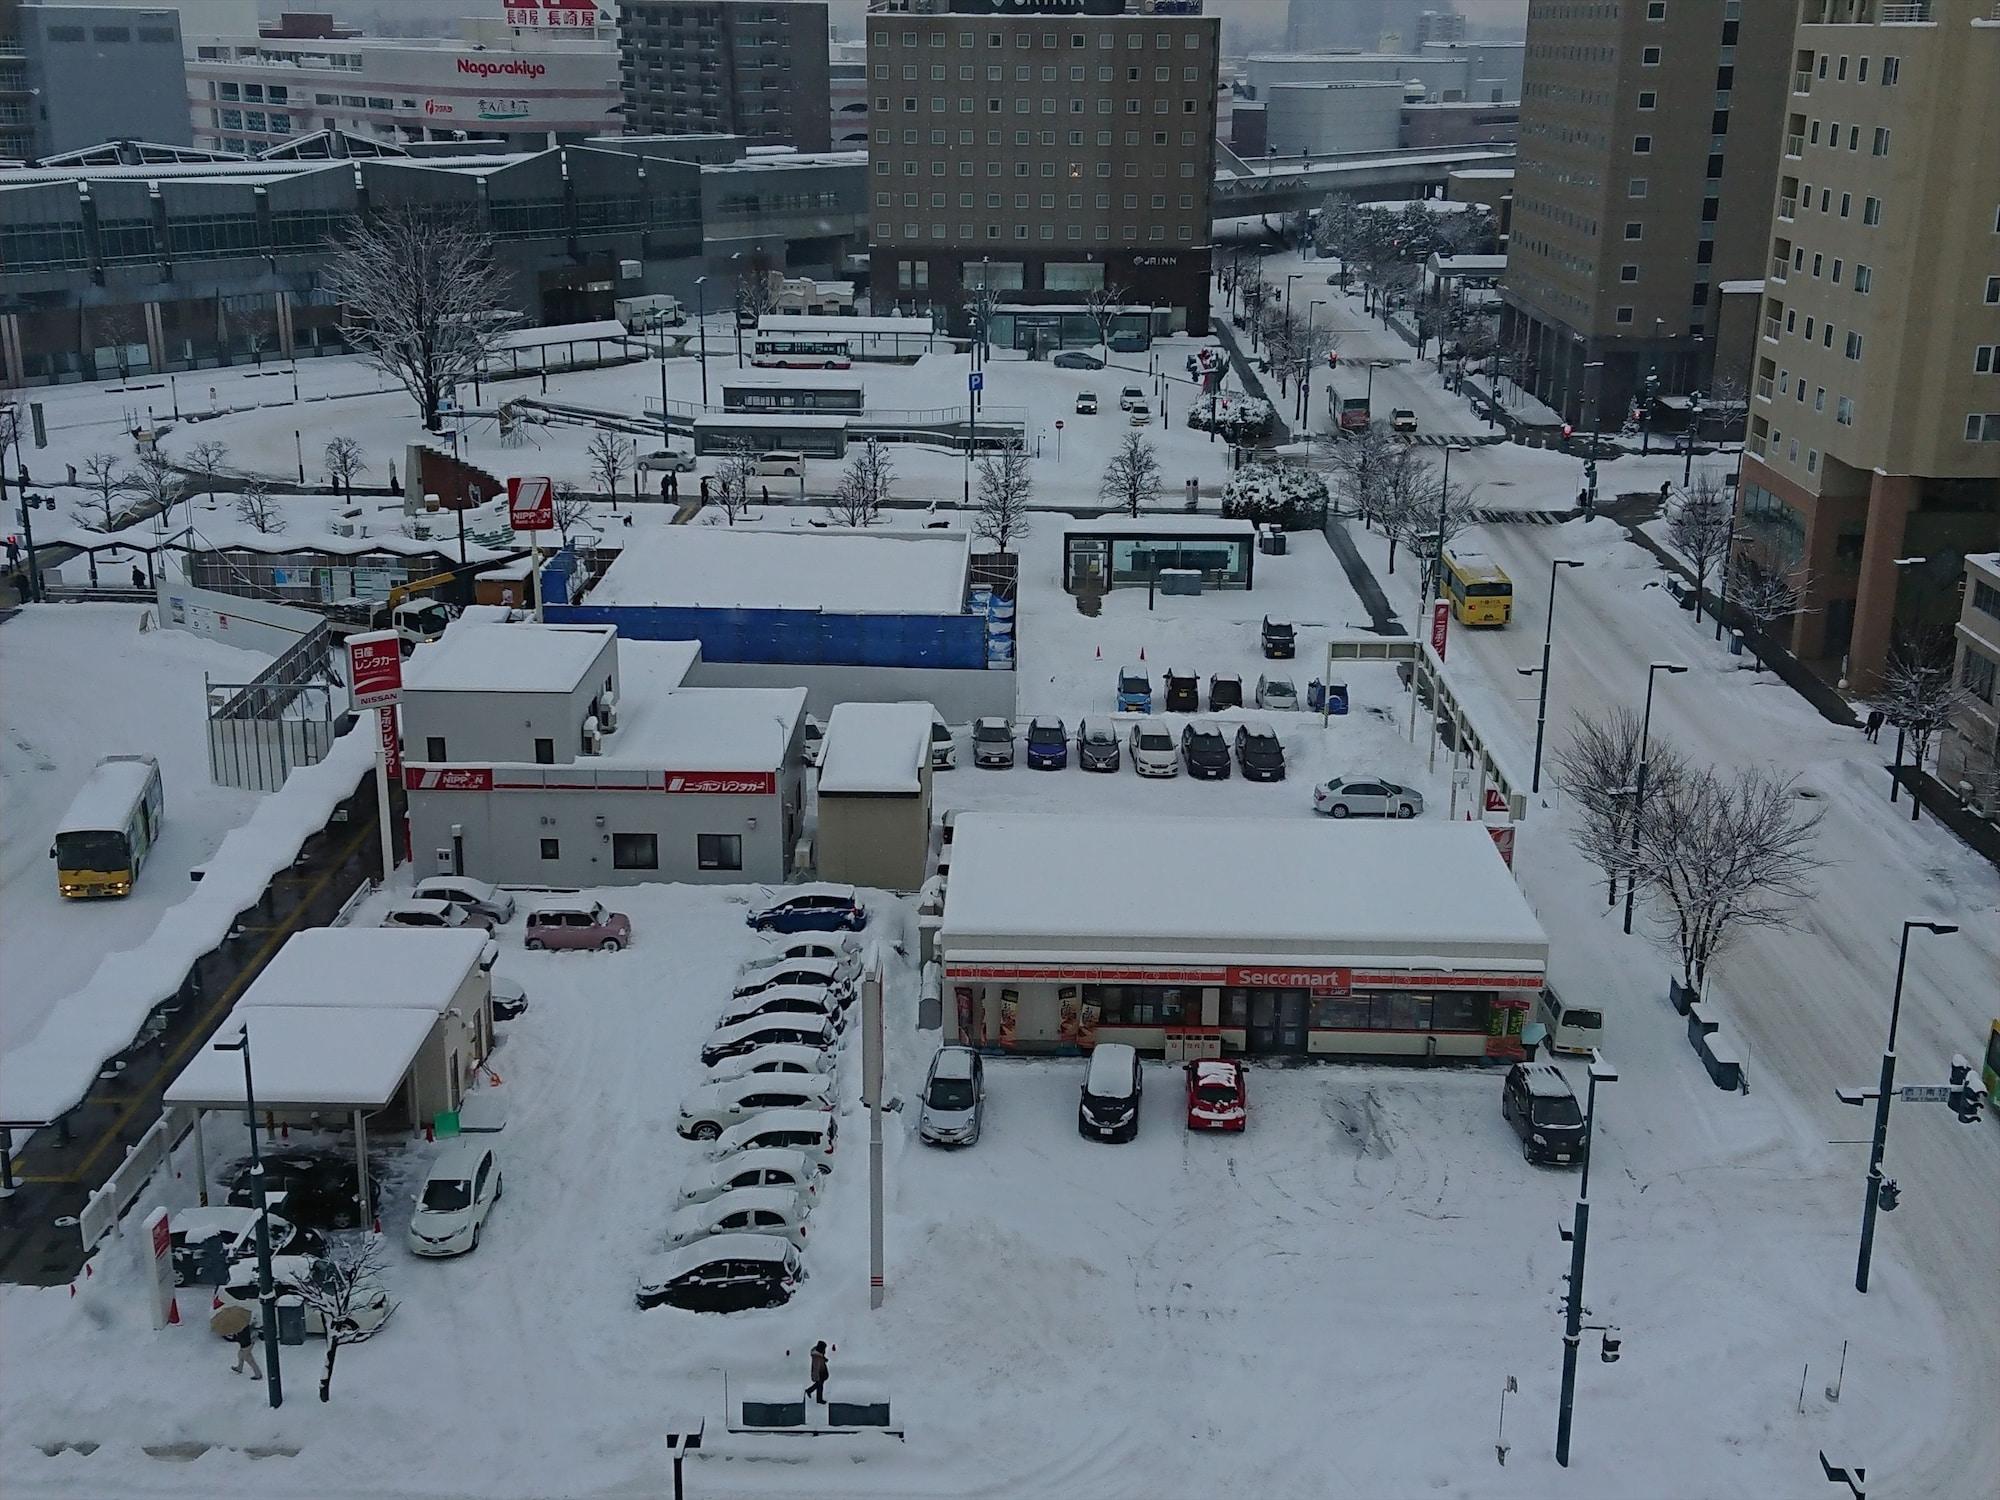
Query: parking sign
375	668
975	380
531	503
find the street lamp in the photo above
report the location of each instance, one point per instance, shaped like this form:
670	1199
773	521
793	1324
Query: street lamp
267	1293
1600	1072
1596	390
660	333
1304	411
1881	1141
1294	276
1672	669
1444	497
1896	767
701	325
1652	385
1548	637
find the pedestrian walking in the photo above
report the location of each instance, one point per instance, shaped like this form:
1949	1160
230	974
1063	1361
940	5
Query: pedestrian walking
138	576
767	492
13	553
1873	729
704	489
666	486
817	1390
234	1324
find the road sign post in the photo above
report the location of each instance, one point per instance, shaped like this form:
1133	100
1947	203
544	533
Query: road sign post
531	507
1059	428
375	679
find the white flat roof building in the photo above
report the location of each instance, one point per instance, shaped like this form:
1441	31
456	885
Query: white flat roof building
875	794
1257	935
876	749
742	567
478	656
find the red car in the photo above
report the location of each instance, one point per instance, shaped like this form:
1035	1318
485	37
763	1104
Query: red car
1216	1096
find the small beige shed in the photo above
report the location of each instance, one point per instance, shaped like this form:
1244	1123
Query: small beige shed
875	795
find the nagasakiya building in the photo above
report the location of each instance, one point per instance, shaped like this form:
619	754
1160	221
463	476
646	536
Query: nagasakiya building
1193	936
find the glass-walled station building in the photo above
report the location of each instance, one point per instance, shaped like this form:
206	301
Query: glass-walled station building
1122	552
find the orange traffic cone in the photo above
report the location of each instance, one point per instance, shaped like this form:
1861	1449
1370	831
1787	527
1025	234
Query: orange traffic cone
174	1311
1100	653
1142	653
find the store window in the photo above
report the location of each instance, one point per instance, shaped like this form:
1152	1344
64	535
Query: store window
719	851
635	851
551	849
1143	1004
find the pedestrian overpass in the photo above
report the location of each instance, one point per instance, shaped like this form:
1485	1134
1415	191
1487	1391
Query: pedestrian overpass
1286	184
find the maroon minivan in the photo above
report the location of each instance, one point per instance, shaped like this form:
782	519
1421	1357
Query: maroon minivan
581	924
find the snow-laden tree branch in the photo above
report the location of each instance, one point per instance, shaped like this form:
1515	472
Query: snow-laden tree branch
1132	478
1699	525
346	1291
256	508
419	296
1006	483
1918	694
864	486
1598	768
611	459
108	487
344	464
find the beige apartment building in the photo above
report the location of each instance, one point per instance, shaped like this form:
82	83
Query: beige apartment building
1968	757
1873	458
1043	154
1646	161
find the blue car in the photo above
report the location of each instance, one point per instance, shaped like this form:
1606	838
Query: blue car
1135	691
816	908
1048	745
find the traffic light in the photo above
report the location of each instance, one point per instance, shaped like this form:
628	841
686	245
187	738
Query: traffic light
1568	432
1966	1098
1333	359
1612	1342
1888	1195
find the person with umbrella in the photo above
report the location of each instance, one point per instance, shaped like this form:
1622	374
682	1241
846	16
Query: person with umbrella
233	1323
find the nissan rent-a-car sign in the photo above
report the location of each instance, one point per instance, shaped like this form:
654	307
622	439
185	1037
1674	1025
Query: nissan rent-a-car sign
375	668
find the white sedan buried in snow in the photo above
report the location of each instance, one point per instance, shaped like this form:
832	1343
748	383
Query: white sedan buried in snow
759	1210
476	896
779	1057
714	1107
808	1131
762	1167
784	1000
814	973
811	945
1361	797
368	1307
766	1031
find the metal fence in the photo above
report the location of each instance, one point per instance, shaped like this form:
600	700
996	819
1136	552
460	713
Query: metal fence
289	716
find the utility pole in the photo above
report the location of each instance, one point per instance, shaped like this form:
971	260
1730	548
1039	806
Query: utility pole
1548	638
1579	1238
1672	669
701	325
267	1292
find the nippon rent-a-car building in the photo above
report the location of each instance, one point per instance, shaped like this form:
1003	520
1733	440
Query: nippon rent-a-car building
1204	937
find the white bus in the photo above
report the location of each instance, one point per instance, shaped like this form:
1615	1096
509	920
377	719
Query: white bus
110	827
793	351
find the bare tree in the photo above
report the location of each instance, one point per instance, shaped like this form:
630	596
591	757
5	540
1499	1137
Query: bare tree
570	507
1104	303
1724	851
730	487
864	486
753	288
345	1289
157	484
611	459
1132	478
344	464
109	487
1766	591
206	461
420	296
1005	484
1358	461
1433	322
1699	526
1406	499
121	328
1919	695
1599	770
256	508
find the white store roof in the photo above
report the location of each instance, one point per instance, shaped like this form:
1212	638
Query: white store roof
478	656
1221	889
403	968
702	729
307	1057
743	567
876	749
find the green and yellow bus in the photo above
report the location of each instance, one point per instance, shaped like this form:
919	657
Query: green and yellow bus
110	827
1480	591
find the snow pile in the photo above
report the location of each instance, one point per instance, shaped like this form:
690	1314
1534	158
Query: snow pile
1240	419
1281	493
51	1073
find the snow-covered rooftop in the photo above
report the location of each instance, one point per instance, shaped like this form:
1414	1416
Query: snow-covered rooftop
742	567
1144	886
705	729
482	657
325	1057
401	968
876	748
1158	525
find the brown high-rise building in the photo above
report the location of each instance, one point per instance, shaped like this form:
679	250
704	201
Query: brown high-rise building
754	68
1873	462
1046	155
1648	153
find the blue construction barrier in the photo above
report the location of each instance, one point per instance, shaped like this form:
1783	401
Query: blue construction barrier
796	637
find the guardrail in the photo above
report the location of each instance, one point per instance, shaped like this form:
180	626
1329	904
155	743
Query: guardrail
103	1209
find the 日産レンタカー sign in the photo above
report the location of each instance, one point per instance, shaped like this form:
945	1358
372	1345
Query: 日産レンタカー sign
375	668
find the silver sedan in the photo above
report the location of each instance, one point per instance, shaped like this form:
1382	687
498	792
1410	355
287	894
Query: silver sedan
1361	797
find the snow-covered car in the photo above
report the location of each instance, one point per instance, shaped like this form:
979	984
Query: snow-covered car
1402	419
723	1273
1153	750
776	1211
446	915
667	461
1139	413
1076	359
784	1000
1130	397
205	1241
779	1057
714	1107
814	908
1260	754
1539	1103
954	1098
1366	797
805	947
779	1030
313	1276
992	743
577	924
1278	638
1225	690
1135	691
1048	745
808	1131
1113	1085
510	998
765	1166
457	1196
1205	751
315	1189
1279	693
1097	746
476	896
1216	1098
836	974
815	741
944	748
786	463
1086	403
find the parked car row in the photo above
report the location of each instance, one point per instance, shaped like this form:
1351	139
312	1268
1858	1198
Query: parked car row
1182	693
1204	747
458	901
1114	1086
766	1115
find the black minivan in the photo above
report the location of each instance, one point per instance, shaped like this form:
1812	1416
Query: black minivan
1109	1108
1539	1103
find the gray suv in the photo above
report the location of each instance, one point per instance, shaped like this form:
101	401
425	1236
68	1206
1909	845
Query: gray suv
954	1098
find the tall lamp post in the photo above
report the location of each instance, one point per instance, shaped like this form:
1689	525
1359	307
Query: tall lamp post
1651	388
1880	1144
1595	389
1600	1072
1672	669
267	1293
1294	276
1548	637
701	325
1444	498
1304	412
1896	768
660	333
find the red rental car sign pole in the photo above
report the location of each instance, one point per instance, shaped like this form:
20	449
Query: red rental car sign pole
1440	622
375	678
531	507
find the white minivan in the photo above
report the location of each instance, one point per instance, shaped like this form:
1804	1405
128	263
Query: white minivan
1572	1028
786	461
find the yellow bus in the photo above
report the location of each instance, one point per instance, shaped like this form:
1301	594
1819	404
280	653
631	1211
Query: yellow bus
1481	593
110	828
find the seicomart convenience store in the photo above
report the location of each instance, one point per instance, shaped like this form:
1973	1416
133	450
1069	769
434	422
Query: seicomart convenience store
1196	937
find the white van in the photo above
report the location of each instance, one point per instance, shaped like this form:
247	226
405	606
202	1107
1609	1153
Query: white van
786	461
1572	1028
